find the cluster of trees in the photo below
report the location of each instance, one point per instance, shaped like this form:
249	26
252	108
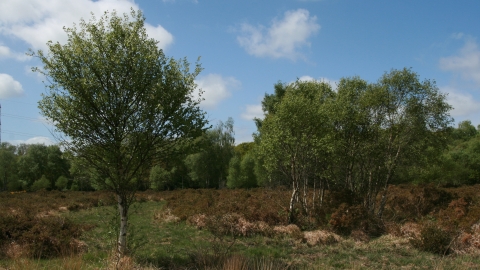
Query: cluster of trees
355	138
33	167
131	122
458	164
214	161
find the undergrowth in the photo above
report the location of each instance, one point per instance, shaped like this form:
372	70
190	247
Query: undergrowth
423	227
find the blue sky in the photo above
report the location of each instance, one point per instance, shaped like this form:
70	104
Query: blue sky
247	46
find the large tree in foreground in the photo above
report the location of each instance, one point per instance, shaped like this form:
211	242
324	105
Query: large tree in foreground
121	103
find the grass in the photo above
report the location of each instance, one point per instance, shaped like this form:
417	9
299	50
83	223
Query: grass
156	244
177	244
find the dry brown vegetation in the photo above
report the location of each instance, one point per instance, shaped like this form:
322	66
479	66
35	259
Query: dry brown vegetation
433	219
31	224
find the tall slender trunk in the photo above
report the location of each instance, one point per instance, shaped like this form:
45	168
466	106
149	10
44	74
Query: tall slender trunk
293	199
314	195
305	198
322	193
122	236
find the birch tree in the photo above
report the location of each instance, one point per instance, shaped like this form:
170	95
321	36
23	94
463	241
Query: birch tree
119	101
294	137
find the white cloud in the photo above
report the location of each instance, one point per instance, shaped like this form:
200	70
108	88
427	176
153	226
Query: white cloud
242	134
9	87
283	39
466	62
160	34
215	89
34	140
463	103
252	111
38	21
5	52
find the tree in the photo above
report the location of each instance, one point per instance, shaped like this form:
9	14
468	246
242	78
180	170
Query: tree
61	183
42	183
413	116
209	167
160	178
8	167
465	131
293	138
241	172
39	160
355	139
119	101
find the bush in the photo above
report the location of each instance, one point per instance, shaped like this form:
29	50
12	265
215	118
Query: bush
348	218
39	236
433	239
42	183
61	183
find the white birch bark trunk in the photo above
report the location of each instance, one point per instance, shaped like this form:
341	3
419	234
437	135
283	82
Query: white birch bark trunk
122	236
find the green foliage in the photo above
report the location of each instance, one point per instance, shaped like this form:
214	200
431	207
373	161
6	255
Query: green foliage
83	175
247	168
234	178
209	167
15	185
362	137
270	101
244	148
38	160
42	183
457	165
120	101
465	131
160	178
8	167
61	183
293	139
241	172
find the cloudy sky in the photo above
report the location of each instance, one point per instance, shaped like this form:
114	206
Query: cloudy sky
247	46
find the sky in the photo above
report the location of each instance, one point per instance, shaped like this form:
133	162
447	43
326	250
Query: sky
247	46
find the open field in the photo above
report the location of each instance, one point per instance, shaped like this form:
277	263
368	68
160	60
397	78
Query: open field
239	229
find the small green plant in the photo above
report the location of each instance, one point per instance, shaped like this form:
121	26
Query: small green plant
433	239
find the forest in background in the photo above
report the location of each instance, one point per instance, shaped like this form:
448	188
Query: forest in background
214	161
334	134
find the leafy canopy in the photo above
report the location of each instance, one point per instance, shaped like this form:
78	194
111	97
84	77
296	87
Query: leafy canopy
119	100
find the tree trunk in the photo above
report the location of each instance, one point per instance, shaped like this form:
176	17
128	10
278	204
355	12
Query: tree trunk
293	199
122	236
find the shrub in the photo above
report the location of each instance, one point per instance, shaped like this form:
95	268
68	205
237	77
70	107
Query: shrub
40	237
407	202
348	218
61	183
42	183
433	239
313	238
